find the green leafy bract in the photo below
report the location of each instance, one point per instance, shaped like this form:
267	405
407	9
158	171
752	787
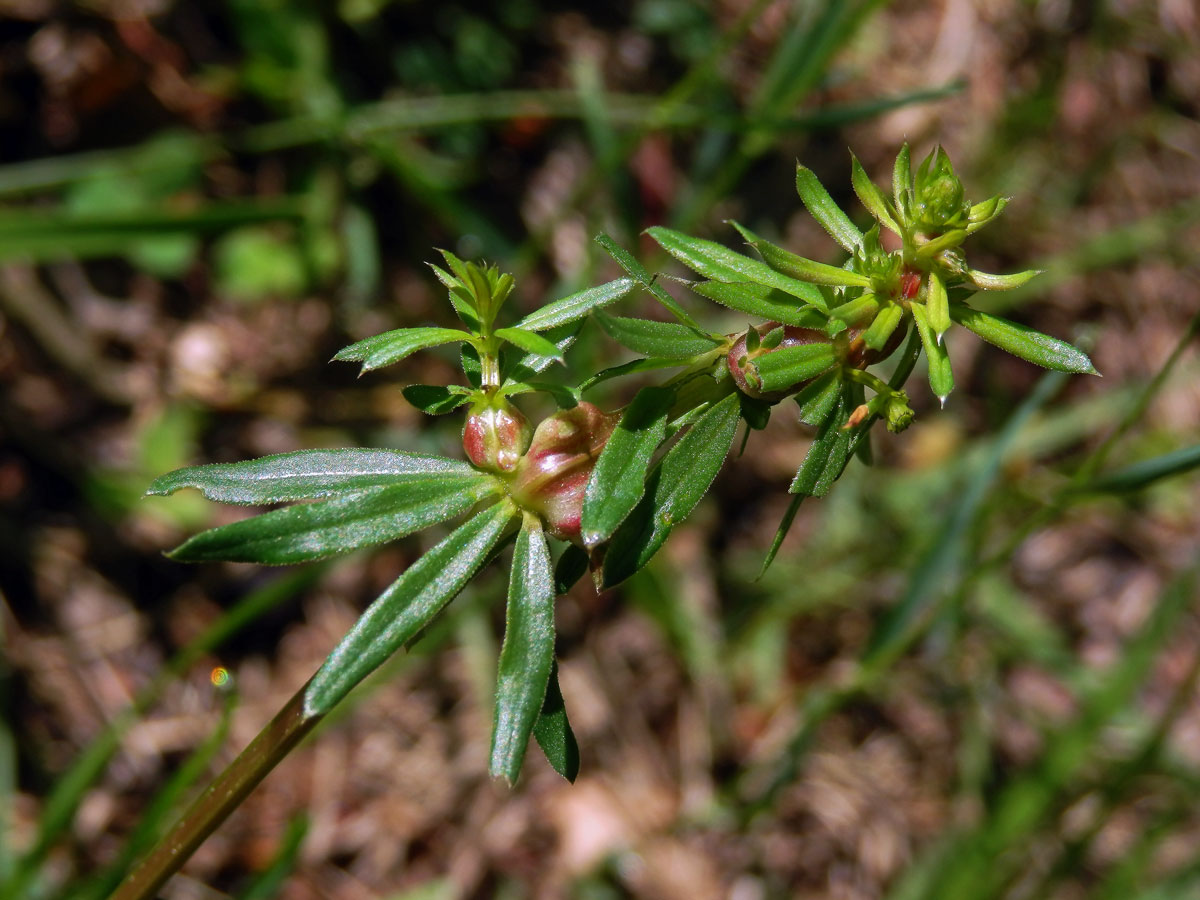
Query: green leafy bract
782	368
393	346
304	475
618	479
316	530
528	651
406	607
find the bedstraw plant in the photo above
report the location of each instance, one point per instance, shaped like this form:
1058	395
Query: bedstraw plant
604	489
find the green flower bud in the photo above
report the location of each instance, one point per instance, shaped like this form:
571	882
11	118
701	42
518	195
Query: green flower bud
940	204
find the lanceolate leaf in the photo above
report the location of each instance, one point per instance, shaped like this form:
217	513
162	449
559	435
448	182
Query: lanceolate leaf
393	346
817	400
987	282
827	456
523	368
629	368
627	262
304	475
436	399
661	339
531	343
407	606
937	305
528	651
870	196
719	263
554	734
576	306
315	530
798	267
941	378
1037	348
831	217
618	480
786	366
761	301
674	489
902	182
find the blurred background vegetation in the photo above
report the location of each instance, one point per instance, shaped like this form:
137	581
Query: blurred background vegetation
970	673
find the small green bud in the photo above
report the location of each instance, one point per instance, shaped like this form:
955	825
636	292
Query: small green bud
940	204
496	435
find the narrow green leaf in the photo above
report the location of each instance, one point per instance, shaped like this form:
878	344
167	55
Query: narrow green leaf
785	525
524	367
818	400
719	263
527	653
564	395
626	261
856	312
1142	474
316	530
304	475
937	305
674	488
576	306
1030	345
828	454
460	297
830	216
436	399
902	183
402	610
941	378
393	346
531	343
808	270
760	300
984	212
661	339
554	734
634	365
884	326
870	196
987	282
782	368
572	565
932	248
618	479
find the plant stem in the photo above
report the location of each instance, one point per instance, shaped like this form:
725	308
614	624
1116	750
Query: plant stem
219	799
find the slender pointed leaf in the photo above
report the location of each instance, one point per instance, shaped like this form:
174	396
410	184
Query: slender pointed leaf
941	377
634	365
393	346
787	366
870	196
528	651
937	305
436	399
790	264
571	566
830	216
1141	475
880	331
988	282
902	182
760	300
564	395
316	530
554	734
407	606
827	456
661	339
719	263
818	400
576	306
856	312
531	342
304	475
627	262
1019	340
618	479
525	367
678	482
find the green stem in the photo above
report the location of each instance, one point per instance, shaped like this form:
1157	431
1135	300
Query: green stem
221	798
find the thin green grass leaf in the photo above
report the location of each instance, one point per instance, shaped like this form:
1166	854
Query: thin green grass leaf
1141	475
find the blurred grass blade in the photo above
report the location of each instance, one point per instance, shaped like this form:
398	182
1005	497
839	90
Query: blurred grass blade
870	196
270	882
618	479
626	261
304	475
528	651
576	306
392	346
718	263
661	339
760	300
679	481
407	606
315	530
1019	340
1141	475
553	731
827	213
